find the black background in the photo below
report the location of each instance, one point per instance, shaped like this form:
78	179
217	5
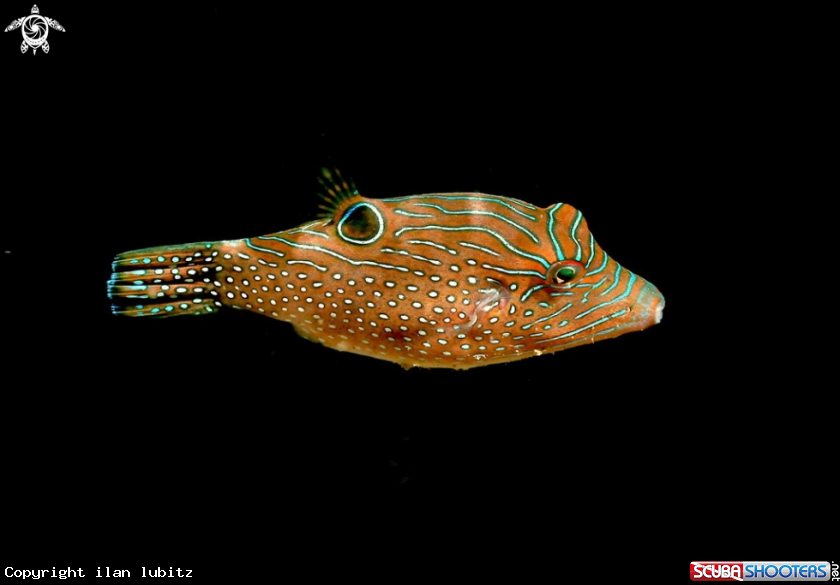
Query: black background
142	128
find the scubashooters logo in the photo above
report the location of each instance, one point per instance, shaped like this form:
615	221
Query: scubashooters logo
763	571
35	29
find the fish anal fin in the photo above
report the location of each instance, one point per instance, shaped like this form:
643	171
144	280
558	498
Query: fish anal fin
306	334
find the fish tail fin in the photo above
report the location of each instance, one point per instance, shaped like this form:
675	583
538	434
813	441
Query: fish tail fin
166	281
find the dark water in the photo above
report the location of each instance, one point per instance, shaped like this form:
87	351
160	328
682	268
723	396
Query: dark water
152	135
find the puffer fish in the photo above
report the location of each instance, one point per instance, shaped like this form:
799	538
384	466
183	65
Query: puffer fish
441	280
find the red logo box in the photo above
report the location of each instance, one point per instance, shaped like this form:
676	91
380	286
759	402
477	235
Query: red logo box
716	571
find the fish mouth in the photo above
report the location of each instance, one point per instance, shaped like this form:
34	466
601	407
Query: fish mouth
648	307
645	312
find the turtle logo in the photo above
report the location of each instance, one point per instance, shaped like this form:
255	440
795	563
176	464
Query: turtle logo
35	29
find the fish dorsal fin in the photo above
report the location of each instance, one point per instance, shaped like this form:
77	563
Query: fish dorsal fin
335	190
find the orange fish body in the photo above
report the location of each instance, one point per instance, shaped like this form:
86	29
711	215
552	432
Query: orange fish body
454	280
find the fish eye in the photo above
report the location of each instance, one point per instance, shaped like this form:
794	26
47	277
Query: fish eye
564	274
361	223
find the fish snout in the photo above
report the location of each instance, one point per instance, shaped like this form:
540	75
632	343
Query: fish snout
649	306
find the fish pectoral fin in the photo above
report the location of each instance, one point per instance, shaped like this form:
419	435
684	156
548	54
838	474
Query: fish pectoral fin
494	301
